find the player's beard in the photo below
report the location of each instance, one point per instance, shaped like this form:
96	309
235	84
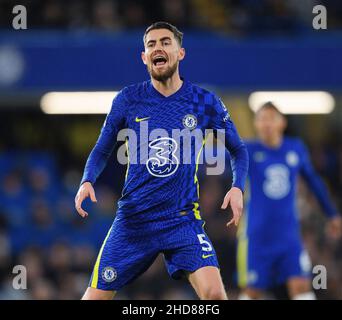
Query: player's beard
165	75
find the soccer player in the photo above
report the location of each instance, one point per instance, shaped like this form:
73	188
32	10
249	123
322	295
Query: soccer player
159	209
270	250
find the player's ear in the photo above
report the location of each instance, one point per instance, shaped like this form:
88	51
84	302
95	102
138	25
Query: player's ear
143	57
181	54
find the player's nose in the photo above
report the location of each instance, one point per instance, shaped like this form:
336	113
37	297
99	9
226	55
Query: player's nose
156	52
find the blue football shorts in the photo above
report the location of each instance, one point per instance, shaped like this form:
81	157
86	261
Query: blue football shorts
263	268
129	250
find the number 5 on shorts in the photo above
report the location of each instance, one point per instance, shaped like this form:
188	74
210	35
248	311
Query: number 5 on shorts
201	239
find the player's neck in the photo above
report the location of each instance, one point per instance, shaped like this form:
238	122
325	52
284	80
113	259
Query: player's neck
273	142
170	86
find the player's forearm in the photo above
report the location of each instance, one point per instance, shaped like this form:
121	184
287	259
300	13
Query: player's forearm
98	157
95	164
239	163
320	191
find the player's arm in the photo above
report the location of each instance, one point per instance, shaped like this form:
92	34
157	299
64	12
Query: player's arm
102	150
319	189
239	160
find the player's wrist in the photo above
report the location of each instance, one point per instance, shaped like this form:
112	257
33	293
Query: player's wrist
86	181
238	187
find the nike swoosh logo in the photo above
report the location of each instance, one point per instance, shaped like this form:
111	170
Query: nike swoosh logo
141	119
205	256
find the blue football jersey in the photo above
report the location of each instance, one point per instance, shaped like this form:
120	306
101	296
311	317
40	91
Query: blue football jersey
161	178
271	212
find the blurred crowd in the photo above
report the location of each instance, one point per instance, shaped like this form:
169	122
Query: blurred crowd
228	16
40	229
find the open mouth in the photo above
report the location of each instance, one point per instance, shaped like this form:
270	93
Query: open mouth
159	60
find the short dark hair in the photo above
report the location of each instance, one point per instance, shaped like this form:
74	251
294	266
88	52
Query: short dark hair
165	25
269	105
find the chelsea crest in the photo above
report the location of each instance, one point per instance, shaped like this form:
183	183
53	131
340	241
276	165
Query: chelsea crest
190	122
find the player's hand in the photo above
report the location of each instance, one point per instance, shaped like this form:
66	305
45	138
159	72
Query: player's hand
234	198
334	227
85	190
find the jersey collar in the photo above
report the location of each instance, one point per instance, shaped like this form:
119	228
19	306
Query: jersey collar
154	92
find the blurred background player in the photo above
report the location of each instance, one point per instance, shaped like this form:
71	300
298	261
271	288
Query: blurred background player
270	250
159	209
